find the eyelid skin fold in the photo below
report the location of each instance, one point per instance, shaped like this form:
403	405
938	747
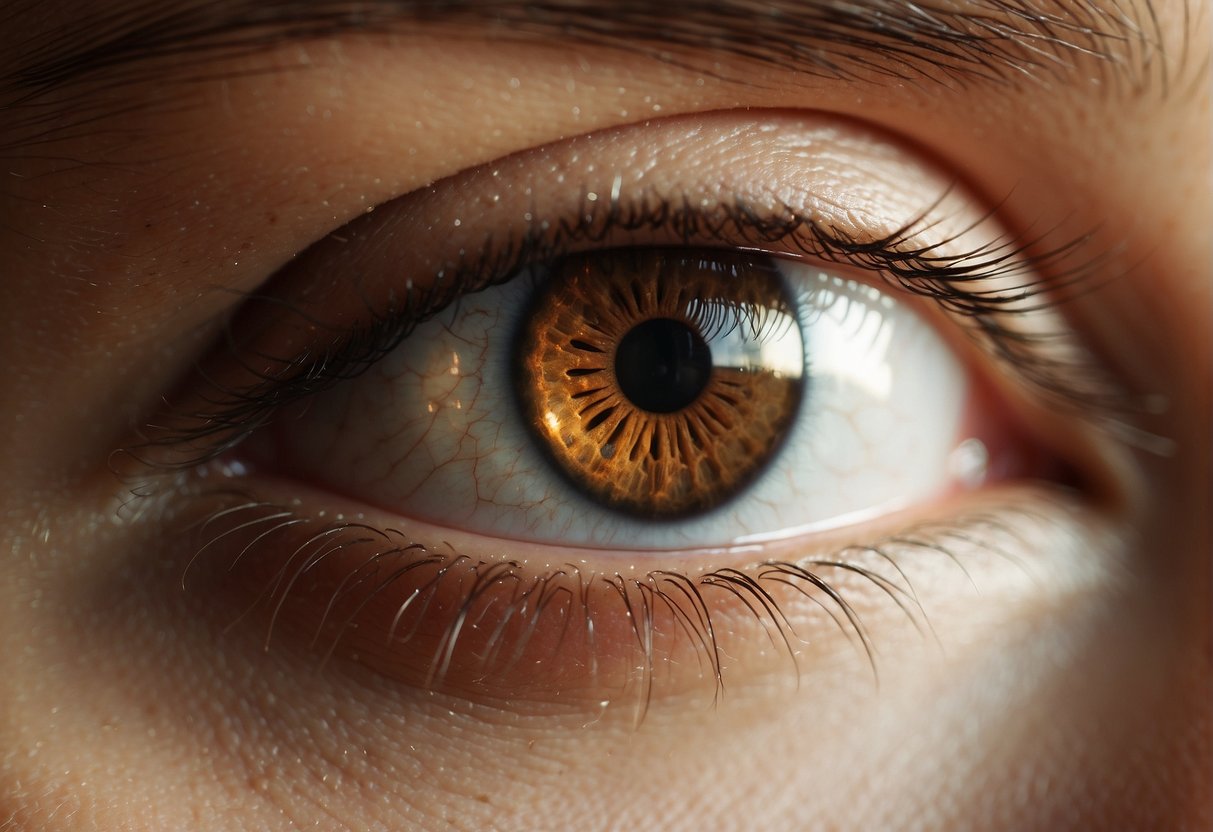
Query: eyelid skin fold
793	184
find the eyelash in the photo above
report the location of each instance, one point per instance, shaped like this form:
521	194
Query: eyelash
1079	384
517	598
953	281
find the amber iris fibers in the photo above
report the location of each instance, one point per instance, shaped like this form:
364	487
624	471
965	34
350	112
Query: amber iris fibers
661	381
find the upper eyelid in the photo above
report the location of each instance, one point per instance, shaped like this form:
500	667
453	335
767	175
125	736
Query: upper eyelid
925	267
935	244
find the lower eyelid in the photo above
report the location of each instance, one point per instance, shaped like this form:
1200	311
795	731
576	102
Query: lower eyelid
405	603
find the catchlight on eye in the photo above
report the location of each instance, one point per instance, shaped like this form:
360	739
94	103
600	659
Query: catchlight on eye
660	383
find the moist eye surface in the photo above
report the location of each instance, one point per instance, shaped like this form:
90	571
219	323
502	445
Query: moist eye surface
827	398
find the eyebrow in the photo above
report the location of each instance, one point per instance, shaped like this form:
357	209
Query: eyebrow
951	42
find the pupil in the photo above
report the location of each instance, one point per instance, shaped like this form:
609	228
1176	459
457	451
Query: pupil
662	365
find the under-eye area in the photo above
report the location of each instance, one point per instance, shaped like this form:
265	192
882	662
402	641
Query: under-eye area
547	628
605	414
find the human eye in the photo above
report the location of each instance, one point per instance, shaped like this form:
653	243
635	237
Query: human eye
580	419
956	576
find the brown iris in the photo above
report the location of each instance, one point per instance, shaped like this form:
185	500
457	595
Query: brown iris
660	382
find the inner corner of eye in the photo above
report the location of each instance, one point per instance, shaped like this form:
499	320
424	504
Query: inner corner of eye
658	398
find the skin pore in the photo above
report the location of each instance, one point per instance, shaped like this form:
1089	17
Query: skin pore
1053	670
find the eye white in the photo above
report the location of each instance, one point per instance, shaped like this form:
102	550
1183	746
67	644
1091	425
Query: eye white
433	431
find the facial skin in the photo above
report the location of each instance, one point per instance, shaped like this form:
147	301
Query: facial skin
1063	683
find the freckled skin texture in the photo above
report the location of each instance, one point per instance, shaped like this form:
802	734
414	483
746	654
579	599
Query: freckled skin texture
1071	693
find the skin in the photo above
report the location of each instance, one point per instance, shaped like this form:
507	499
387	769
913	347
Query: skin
1071	693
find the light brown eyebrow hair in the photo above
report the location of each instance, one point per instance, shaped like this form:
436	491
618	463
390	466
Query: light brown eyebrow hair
953	42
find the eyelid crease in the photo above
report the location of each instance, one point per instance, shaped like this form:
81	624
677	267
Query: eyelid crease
1028	277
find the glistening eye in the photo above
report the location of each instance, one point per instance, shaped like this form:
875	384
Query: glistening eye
646	398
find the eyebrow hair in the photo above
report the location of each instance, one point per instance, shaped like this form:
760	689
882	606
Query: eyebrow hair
960	42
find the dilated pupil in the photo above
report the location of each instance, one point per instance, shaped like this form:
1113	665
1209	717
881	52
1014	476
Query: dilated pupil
662	365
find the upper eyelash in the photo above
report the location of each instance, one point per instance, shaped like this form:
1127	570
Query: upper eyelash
954	281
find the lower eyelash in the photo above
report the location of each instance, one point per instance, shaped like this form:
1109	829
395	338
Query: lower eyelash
491	614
